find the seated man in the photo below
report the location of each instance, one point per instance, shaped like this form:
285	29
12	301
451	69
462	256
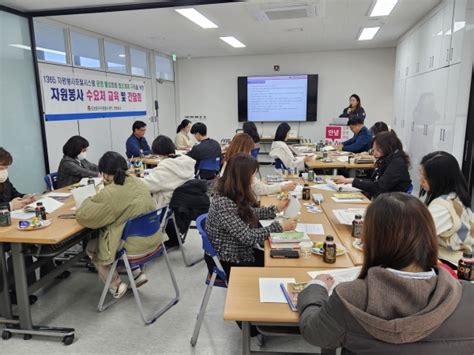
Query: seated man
137	145
362	140
206	149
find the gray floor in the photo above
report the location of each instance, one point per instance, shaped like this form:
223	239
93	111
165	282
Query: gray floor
72	303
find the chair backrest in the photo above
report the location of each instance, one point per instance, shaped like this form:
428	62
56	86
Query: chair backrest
255	152
410	189
207	246
279	164
51	181
211	164
144	225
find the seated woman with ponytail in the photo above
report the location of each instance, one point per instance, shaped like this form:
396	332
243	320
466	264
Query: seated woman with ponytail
123	197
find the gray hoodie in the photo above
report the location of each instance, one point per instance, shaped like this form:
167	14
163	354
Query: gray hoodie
388	314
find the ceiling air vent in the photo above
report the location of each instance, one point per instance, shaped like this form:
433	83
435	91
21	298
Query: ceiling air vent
287	12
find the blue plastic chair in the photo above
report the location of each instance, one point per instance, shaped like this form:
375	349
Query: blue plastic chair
51	181
410	189
143	226
279	164
211	279
211	164
254	152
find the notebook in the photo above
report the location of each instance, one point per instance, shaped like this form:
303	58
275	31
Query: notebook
82	193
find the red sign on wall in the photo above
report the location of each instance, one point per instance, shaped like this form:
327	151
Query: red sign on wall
333	133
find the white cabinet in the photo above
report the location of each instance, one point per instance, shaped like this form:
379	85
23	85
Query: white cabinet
458	28
446	30
398	107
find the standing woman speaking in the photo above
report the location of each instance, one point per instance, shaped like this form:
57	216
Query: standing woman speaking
354	110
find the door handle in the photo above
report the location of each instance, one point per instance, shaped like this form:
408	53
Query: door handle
447	55
451	54
440	134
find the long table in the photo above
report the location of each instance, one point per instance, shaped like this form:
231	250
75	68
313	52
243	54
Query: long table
59	231
243	301
313	261
243	298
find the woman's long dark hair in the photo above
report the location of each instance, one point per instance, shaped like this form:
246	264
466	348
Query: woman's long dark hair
444	176
251	129
389	143
355	96
184	123
236	184
398	231
282	131
112	163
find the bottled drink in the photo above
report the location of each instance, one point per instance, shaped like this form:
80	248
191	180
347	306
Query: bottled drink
40	211
465	267
306	192
357	225
329	250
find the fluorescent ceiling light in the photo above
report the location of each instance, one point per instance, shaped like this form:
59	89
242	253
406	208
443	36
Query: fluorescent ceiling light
196	17
234	42
383	8
368	33
28	48
122	55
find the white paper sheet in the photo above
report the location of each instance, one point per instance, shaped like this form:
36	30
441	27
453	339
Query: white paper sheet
310	228
270	290
82	193
49	204
340	275
346	215
266	222
341	187
343	159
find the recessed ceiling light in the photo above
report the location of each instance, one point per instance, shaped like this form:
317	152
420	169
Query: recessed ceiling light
198	18
383	8
234	42
122	55
368	33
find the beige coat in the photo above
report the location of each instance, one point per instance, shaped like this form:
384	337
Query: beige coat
109	211
183	141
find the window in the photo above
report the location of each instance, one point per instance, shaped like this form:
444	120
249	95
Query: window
115	57
50	44
164	68
85	50
139	62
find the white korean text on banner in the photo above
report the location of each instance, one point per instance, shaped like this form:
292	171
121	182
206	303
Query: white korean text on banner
76	96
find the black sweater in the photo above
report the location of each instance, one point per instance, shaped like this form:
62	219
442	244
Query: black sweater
390	175
8	193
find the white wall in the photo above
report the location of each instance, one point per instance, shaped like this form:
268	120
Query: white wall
208	86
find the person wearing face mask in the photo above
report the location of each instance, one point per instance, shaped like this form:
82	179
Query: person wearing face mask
362	140
391	168
172	172
123	197
74	166
9	196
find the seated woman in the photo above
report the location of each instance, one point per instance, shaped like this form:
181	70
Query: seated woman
183	141
232	225
391	168
74	166
280	149
122	198
10	198
172	172
354	110
251	129
401	303
448	201
243	143
362	139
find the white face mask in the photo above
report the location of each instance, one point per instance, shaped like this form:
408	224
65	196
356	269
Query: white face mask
3	175
82	156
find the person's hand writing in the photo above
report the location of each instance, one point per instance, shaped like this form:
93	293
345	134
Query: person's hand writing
327	279
289	224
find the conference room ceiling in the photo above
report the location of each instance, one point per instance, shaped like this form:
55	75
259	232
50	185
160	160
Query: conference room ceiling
328	25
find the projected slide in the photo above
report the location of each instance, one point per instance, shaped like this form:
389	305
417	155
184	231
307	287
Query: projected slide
277	98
